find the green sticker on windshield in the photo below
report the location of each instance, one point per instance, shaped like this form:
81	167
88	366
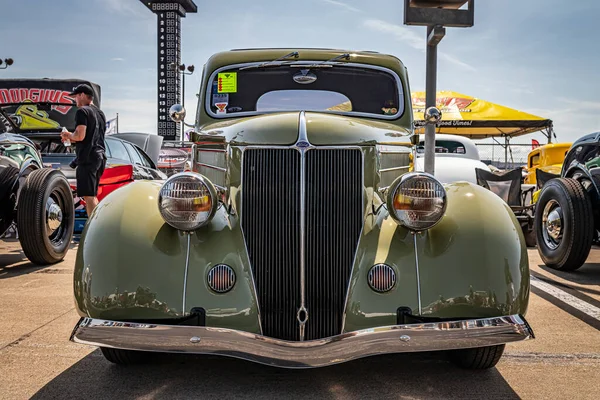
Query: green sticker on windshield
227	82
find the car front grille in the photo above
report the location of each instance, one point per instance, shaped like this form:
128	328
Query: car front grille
271	221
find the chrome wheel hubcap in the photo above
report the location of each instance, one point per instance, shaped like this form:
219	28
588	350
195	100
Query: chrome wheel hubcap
54	215
552	224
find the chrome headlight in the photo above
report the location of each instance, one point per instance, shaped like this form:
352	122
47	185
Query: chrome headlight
187	201
417	201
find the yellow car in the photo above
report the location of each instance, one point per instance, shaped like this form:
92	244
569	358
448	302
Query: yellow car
548	158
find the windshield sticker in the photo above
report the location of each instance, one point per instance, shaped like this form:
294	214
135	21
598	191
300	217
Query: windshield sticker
221	108
227	82
220	98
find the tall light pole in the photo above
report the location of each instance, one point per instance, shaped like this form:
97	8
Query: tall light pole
435	15
181	69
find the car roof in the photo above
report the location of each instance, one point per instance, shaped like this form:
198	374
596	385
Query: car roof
241	56
589	138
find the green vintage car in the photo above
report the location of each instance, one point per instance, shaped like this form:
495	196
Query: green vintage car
302	238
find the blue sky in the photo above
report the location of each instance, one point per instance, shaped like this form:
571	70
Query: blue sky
538	56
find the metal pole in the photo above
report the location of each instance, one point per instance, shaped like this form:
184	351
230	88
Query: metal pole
182	102
430	101
505	152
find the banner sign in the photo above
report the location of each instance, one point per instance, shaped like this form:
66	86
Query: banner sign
31	113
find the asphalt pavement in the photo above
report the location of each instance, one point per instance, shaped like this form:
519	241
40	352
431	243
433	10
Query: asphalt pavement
38	361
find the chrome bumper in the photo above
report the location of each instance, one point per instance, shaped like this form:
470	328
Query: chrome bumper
315	353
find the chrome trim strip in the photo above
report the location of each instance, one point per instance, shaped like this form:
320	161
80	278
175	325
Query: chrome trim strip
212	167
187	265
427	336
302	138
402	97
394	168
418	275
212	150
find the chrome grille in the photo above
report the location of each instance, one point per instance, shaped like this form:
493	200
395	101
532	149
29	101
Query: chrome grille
333	220
271	223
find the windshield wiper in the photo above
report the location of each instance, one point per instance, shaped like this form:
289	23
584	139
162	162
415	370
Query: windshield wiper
294	54
325	64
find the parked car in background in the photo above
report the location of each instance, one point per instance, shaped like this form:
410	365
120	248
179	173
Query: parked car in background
300	238
456	158
567	217
548	158
126	162
35	200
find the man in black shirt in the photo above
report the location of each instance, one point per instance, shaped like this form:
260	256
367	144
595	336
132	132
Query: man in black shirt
90	126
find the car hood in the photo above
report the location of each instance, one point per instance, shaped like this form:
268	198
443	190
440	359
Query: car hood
281	129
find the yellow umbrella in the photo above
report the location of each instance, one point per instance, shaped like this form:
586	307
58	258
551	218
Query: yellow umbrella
476	118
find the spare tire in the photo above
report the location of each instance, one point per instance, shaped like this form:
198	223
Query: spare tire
45	216
8	176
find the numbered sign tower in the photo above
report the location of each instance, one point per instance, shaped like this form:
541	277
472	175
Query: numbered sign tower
169	13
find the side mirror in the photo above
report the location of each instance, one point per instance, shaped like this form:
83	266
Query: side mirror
432	116
177	113
414	139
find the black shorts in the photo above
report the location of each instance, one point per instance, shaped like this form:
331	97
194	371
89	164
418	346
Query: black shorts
88	177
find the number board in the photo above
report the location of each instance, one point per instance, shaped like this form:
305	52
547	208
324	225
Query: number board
169	51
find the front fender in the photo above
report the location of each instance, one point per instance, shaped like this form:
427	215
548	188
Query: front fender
473	263
131	265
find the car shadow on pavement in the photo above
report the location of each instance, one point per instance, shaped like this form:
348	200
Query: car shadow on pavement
424	375
588	274
13	262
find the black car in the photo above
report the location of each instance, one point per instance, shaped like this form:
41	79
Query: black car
567	216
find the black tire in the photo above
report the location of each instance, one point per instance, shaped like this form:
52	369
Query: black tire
477	358
40	245
124	357
8	176
570	251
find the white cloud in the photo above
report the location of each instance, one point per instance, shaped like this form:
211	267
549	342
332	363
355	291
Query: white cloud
117	59
456	61
342	5
412	39
125	7
400	33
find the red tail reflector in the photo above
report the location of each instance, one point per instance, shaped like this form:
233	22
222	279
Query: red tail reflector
113	178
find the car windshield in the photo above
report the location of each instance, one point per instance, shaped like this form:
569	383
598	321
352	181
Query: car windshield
337	88
18	152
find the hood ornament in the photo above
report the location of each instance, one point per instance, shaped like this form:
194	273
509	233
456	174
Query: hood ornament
305	77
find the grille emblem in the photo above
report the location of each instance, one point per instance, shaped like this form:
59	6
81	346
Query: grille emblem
302	144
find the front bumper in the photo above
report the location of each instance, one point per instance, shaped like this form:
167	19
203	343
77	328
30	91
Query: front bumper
432	336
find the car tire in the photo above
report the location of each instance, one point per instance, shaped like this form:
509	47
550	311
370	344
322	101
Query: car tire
8	177
477	358
124	357
572	204
43	241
